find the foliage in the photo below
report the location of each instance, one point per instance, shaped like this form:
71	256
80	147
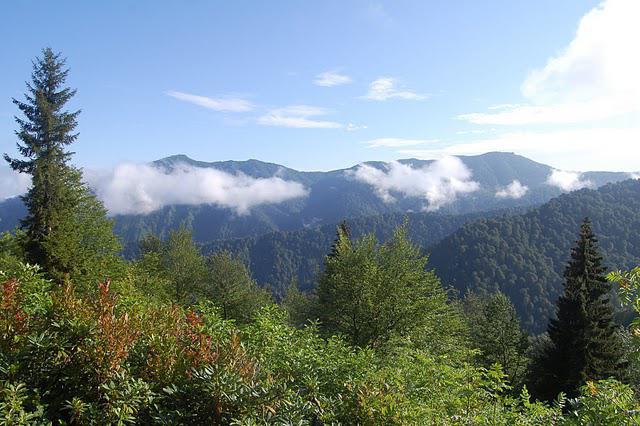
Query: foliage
584	343
495	330
67	231
606	402
629	292
524	255
178	261
300	306
370	292
229	286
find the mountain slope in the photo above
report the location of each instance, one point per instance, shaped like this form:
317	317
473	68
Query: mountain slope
278	257
525	255
522	254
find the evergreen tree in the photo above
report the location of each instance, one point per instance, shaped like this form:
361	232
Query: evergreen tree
342	232
583	340
67	231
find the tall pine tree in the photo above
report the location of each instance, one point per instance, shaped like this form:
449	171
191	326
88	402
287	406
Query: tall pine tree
583	340
67	231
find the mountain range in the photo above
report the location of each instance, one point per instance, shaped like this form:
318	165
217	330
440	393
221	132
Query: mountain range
479	184
497	221
521	252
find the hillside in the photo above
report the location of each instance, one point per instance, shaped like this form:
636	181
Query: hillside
278	257
525	255
521	254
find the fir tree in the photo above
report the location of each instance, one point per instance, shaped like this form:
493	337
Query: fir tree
583	340
67	231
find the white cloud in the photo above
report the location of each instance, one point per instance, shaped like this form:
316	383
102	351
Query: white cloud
568	181
514	190
606	148
331	78
396	142
12	183
141	188
351	127
216	104
594	78
439	183
385	88
298	116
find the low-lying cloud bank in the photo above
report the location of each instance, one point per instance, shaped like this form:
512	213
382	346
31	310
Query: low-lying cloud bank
142	189
12	183
568	181
514	190
439	183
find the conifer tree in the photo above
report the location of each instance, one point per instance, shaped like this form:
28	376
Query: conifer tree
67	231
583	340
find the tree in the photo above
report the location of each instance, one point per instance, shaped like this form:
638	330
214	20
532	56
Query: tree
67	232
183	265
584	343
495	330
300	306
230	286
629	293
372	292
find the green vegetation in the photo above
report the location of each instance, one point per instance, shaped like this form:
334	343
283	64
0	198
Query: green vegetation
584	343
371	293
67	231
524	255
178	338
495	330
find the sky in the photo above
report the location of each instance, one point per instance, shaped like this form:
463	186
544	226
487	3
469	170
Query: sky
326	85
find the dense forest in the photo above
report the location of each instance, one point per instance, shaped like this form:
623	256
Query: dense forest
519	253
176	336
278	258
524	255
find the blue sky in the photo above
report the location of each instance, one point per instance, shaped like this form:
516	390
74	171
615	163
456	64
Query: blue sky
324	85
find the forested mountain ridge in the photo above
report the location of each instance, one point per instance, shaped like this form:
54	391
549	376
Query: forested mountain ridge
332	197
277	258
524	255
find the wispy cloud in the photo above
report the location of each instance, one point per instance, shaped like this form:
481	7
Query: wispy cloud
298	116
594	78
568	181
591	148
439	183
351	127
217	104
514	190
12	183
397	142
142	189
385	88
331	78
